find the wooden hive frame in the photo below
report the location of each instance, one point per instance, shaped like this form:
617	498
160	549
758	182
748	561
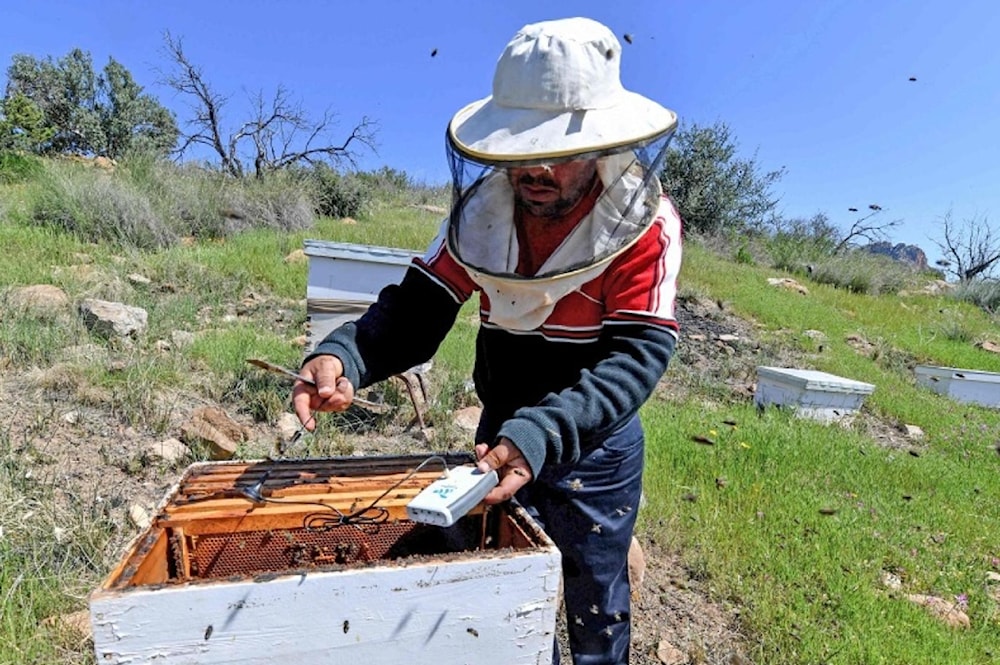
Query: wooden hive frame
269	552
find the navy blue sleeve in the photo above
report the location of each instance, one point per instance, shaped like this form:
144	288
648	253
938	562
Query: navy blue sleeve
403	328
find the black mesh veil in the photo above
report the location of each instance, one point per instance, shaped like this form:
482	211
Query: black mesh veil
481	233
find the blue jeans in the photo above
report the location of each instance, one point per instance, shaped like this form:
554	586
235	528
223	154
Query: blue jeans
589	510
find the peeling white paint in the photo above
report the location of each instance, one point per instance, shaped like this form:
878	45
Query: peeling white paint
404	615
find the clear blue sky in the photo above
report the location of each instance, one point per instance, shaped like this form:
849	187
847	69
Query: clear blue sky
819	88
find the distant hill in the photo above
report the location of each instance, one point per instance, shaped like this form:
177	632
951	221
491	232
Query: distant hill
901	252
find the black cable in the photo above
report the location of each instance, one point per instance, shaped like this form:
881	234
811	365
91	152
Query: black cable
357	518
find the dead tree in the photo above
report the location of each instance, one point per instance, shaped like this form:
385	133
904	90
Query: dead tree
864	229
970	249
278	134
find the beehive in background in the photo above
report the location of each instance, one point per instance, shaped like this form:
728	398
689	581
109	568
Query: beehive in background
962	385
345	279
812	394
220	578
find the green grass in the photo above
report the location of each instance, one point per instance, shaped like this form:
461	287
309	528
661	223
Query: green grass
803	521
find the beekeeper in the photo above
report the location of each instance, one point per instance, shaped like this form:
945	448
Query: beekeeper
559	224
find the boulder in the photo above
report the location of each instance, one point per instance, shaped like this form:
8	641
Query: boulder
113	319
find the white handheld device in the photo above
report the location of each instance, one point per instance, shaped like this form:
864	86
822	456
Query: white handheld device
451	496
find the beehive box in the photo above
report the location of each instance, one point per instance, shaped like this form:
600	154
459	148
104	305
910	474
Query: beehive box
813	394
963	385
219	578
345	279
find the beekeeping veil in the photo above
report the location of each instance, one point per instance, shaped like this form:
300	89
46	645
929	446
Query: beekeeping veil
557	97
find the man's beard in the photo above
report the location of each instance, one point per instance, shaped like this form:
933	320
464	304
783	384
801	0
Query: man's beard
549	209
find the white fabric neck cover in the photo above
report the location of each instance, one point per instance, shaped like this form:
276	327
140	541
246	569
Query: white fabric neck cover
487	245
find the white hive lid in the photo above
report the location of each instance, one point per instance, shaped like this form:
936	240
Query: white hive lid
809	379
957	373
355	252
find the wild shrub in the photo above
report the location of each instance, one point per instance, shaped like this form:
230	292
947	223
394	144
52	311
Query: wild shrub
149	203
18	167
336	194
798	243
985	294
863	272
95	205
277	201
955	330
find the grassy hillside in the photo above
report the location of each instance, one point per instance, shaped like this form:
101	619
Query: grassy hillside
796	523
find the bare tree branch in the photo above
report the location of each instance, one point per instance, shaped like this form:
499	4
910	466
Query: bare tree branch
279	133
970	249
206	104
865	230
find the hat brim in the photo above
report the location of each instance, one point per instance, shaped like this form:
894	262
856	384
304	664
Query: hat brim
489	132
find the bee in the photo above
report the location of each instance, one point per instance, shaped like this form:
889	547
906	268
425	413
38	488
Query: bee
472	631
209	631
628	37
434	52
347	626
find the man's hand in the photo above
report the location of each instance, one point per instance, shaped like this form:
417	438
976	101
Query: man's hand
509	463
331	392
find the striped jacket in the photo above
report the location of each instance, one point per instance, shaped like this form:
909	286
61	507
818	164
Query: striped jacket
554	390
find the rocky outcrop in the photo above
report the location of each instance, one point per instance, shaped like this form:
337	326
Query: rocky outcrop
900	252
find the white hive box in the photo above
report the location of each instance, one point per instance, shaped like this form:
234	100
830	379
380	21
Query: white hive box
811	393
962	385
345	279
219	579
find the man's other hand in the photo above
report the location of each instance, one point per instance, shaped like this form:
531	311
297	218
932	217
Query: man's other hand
509	463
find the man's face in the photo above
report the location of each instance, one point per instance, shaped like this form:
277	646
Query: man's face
550	191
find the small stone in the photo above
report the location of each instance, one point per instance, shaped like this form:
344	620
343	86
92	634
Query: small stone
139	516
75	622
467	419
213	428
39	299
138	280
948	612
169	450
71	417
668	654
891	581
788	283
288	424
987	345
636	567
914	432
